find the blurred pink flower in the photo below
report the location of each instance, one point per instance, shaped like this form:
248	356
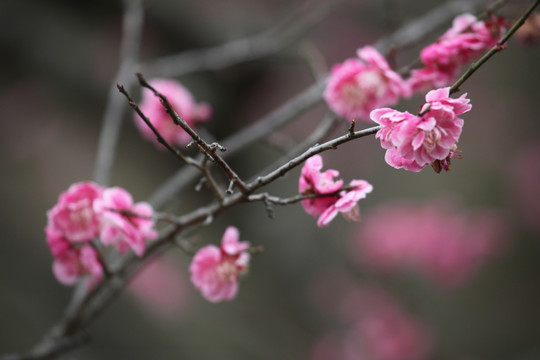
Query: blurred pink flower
183	104
162	287
529	32
411	141
524	174
75	263
376	329
73	217
464	41
124	223
57	243
437	241
314	182
358	86
215	270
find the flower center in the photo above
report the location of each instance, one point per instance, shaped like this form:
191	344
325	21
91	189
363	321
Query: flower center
227	271
81	214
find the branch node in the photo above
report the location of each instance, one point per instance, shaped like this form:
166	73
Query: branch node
351	128
229	190
200	184
209	219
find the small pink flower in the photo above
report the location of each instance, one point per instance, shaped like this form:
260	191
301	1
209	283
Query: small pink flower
314	182
347	203
74	264
360	85
124	223
412	142
73	217
215	270
182	102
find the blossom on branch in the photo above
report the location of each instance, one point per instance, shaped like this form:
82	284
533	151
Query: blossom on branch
86	211
182	102
412	141
73	216
358	86
330	199
123	223
76	263
464	41
215	270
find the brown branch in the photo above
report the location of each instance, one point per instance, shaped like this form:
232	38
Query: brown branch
207	149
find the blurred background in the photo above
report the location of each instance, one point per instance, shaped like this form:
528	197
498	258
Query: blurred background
462	282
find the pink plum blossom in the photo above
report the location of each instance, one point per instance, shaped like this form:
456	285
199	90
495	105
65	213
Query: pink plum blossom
181	101
123	223
436	240
464	41
76	263
215	270
331	200
73	217
412	142
358	86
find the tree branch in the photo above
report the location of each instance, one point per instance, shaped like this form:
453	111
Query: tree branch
112	119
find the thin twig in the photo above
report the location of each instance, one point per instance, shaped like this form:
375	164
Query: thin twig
186	159
207	149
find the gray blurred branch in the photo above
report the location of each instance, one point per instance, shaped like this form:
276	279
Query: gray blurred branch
112	119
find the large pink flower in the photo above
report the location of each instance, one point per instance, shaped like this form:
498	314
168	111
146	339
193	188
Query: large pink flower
73	217
360	85
124	223
215	270
412	142
182	102
74	263
331	201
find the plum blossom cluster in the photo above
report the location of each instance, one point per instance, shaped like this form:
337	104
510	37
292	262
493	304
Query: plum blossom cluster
215	271
85	212
362	84
359	85
465	40
414	141
435	240
182	102
377	328
330	197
